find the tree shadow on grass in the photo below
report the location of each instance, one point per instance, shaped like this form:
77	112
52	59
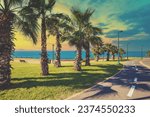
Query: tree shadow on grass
75	80
68	66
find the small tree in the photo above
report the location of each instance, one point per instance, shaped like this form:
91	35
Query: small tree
114	50
107	48
58	25
148	53
122	52
77	38
97	51
92	38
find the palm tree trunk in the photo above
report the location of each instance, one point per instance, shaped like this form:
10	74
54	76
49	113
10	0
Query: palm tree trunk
121	57
6	48
58	50
108	55
44	58
87	61
77	64
97	57
113	56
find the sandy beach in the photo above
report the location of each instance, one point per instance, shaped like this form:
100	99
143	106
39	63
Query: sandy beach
37	61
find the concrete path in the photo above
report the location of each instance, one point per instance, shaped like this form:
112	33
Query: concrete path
133	82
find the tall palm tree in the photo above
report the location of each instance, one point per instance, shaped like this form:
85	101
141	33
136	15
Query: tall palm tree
43	8
122	52
108	50
9	18
58	25
80	21
86	46
75	40
97	51
114	50
148	53
92	38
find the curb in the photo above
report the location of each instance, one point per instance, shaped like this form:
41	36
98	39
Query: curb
69	98
144	65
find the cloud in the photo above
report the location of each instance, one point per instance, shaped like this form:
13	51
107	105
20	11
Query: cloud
132	16
137	26
140	18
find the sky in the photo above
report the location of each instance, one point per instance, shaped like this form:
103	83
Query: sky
130	16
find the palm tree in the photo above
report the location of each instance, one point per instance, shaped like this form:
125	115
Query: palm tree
92	37
148	53
108	50
75	40
97	51
122	52
43	8
58	25
86	46
9	18
114	50
80	21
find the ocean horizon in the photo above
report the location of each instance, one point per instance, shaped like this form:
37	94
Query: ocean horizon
67	55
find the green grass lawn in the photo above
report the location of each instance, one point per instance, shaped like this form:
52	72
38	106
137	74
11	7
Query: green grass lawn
28	84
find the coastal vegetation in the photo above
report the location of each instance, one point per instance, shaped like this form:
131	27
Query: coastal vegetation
58	25
108	49
92	39
80	21
148	53
34	16
10	17
121	53
42	9
27	82
82	35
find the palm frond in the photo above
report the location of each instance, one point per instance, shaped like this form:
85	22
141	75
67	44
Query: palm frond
108	47
28	26
95	40
35	3
87	15
49	6
61	16
97	31
72	41
15	2
86	44
114	49
59	24
82	17
1	7
77	15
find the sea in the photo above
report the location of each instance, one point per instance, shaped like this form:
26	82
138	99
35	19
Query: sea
67	55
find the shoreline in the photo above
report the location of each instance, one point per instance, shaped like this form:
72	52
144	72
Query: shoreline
37	60
33	60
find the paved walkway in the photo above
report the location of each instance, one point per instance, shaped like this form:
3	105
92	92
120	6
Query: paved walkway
146	62
133	82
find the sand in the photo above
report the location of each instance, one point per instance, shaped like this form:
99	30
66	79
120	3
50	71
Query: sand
36	61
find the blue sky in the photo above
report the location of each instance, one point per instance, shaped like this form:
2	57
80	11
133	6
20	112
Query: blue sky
131	16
